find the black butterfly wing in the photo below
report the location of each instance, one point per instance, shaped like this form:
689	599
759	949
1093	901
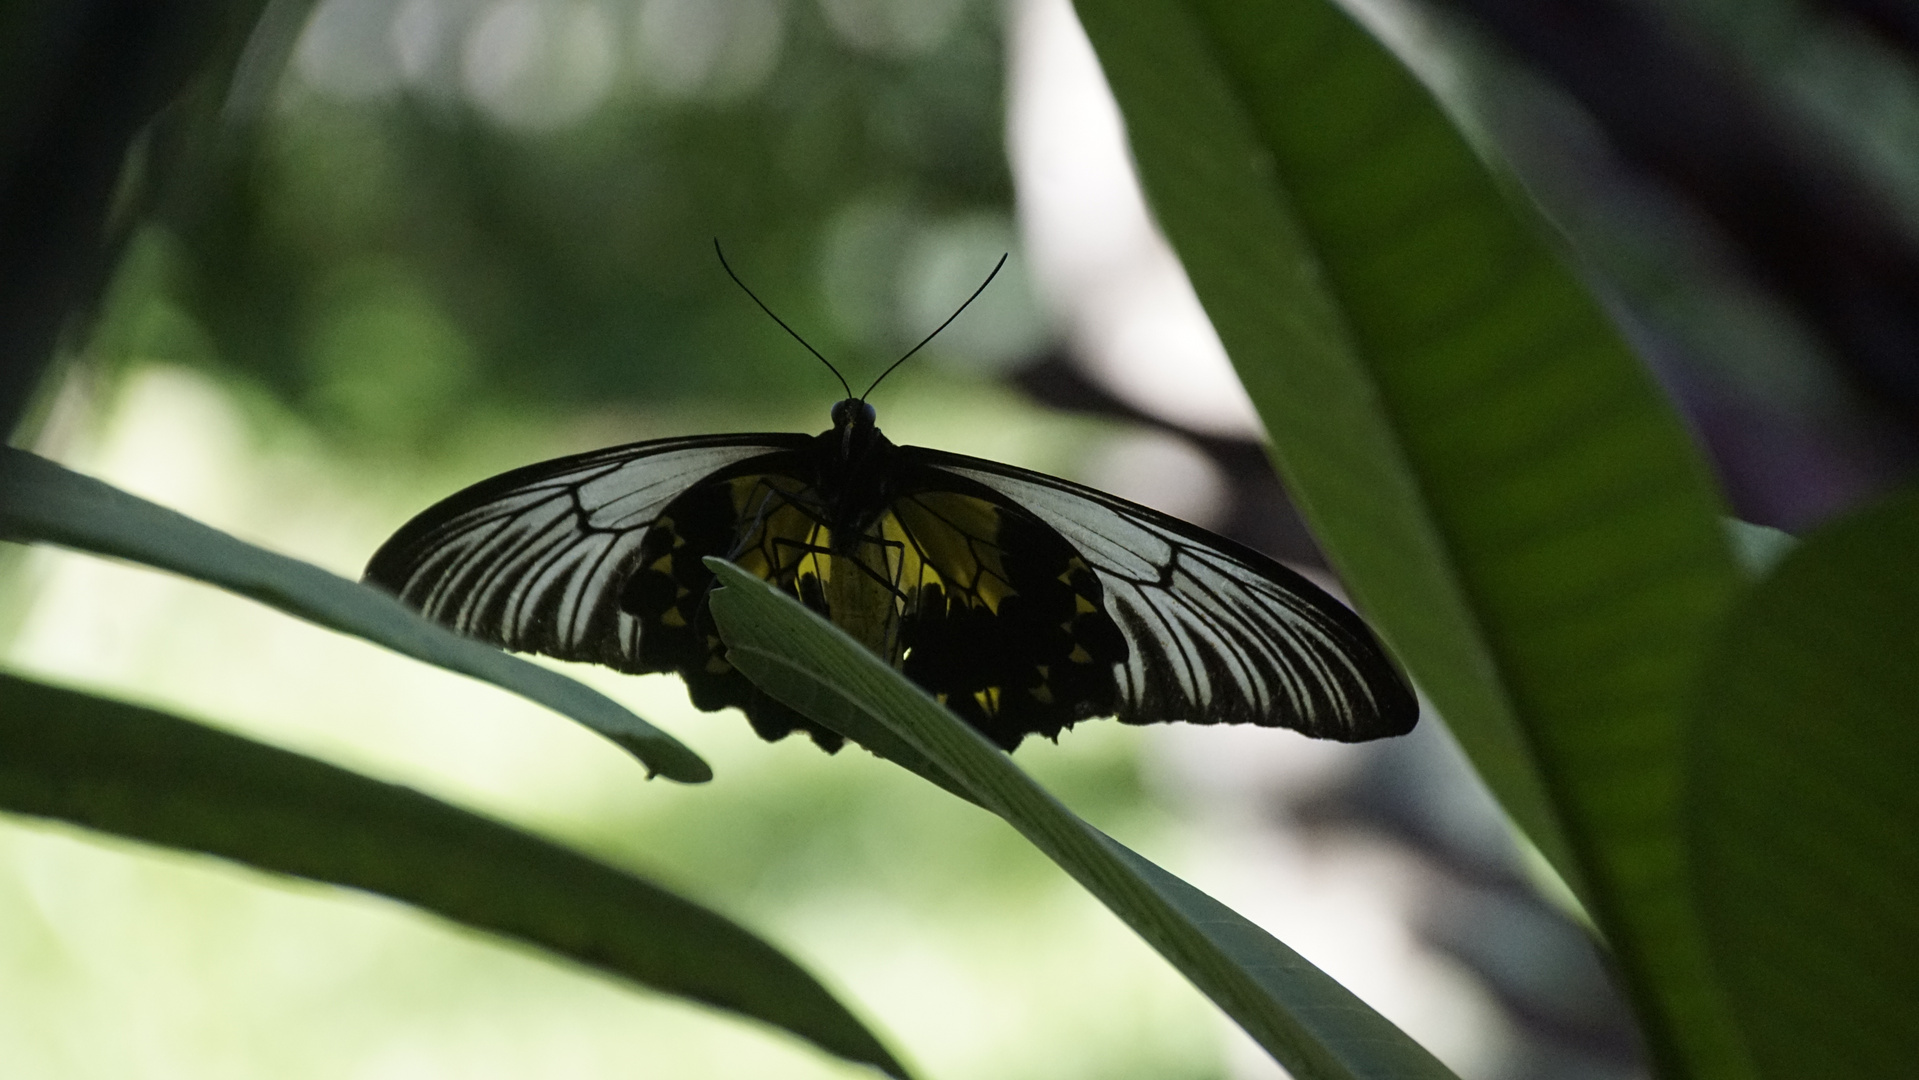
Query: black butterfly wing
1002	620
1215	632
763	514
1025	602
534	560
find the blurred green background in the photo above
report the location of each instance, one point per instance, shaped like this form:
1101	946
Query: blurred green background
457	208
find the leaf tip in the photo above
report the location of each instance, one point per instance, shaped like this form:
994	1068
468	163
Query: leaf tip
664	757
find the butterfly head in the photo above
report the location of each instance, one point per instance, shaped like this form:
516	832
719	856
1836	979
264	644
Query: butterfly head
853	414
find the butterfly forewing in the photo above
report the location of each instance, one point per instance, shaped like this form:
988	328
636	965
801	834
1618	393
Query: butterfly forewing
1009	627
1215	633
534	560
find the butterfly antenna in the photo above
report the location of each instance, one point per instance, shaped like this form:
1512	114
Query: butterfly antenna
942	326
782	322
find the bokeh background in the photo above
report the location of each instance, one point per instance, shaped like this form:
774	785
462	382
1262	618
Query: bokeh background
450	237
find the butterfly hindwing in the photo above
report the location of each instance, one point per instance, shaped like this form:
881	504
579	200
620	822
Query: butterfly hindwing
756	516
1009	627
1215	632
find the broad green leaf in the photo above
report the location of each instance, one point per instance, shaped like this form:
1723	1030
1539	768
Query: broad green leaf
1308	1022
157	778
45	503
1803	792
1495	477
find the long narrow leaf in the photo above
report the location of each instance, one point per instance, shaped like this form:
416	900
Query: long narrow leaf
1498	482
1307	1021
43	502
154	777
1803	792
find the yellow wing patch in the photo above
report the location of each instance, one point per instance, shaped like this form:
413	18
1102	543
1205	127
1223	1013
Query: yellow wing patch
975	600
934	543
960	533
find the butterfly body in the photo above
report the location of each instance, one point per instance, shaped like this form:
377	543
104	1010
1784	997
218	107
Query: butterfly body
1024	603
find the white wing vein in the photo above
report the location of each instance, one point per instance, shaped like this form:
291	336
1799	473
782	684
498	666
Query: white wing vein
534	561
1214	635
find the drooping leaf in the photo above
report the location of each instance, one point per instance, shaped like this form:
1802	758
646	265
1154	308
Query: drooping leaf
41	502
1494	475
146	775
1803	793
1307	1021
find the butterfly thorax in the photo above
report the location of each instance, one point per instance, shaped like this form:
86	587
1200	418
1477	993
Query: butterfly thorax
853	464
858	577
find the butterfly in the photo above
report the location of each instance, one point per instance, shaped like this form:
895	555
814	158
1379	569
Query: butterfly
1023	602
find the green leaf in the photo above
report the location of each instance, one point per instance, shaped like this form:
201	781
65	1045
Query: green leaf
43	502
1312	1025
1497	480
1803	792
164	780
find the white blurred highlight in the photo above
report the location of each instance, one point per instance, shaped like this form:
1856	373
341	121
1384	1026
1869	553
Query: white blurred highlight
1164	472
540	64
895	28
706	48
1095	253
345	52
